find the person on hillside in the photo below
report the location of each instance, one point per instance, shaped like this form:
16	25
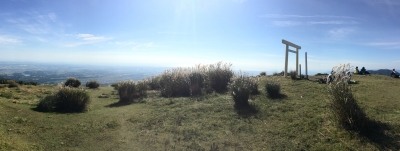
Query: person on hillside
356	71
364	71
394	74
329	78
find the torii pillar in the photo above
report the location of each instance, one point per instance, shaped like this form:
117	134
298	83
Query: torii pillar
286	58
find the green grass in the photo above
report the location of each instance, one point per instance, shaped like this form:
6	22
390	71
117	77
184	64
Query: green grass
301	120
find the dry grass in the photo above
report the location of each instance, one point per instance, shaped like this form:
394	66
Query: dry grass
299	121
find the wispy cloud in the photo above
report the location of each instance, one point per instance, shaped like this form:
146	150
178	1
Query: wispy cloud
384	45
304	16
286	23
297	23
172	33
34	22
340	32
88	39
331	22
143	45
5	40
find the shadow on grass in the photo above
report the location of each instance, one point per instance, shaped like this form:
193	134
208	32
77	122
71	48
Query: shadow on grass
377	134
119	104
246	110
278	96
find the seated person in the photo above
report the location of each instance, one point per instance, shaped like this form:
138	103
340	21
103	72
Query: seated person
394	74
364	71
356	71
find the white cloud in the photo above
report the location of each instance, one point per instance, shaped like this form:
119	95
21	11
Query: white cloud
303	16
286	23
90	37
5	40
35	23
384	45
297	23
340	32
172	33
331	22
143	45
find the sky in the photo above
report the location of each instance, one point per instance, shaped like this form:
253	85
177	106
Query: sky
183	33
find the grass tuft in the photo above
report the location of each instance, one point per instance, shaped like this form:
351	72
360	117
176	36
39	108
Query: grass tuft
345	108
240	89
12	84
130	90
273	88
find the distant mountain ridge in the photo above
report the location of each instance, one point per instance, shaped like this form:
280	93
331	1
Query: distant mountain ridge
381	72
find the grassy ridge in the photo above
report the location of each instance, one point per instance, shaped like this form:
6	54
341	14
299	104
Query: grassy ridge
299	119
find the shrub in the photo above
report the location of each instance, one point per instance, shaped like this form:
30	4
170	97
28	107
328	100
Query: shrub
154	83
196	83
129	90
219	76
345	109
65	100
240	88
278	74
47	103
71	100
12	84
293	75
273	88
27	83
73	82
263	74
92	84
254	86
175	82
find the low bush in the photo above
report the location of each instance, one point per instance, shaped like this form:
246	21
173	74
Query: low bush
154	83
12	84
240	88
197	83
219	76
65	100
278	74
175	83
27	83
273	88
130	90
72	82
263	74
345	108
47	104
92	84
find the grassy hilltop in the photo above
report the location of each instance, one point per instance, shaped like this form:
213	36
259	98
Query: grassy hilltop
299	119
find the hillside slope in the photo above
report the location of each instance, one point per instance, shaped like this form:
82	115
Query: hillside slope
299	120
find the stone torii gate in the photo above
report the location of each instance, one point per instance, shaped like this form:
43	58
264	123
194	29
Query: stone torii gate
286	58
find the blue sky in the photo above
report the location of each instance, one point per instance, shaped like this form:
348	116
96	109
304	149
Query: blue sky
247	33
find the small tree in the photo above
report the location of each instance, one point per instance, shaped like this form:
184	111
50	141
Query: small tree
72	82
92	84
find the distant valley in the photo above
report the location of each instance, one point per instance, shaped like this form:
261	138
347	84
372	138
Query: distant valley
56	73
